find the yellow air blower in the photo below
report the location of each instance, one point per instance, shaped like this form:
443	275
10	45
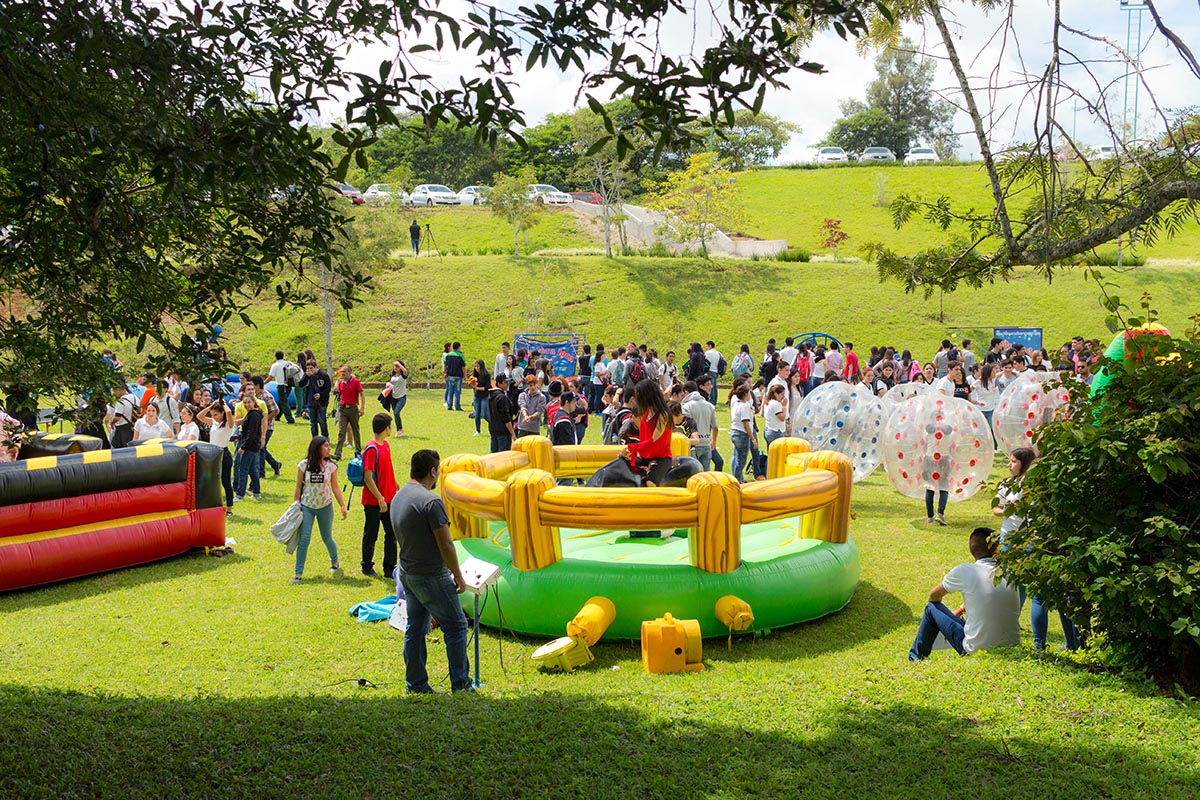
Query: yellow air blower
671	645
571	651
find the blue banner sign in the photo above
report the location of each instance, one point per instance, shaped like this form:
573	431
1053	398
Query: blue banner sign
561	348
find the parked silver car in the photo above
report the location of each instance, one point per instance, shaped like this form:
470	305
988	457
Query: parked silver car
877	154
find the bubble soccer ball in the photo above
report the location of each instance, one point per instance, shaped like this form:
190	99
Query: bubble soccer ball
1026	404
846	418
936	442
903	391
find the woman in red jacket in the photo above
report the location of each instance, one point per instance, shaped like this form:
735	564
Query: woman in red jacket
654	429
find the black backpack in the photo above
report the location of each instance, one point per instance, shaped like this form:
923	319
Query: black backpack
637	372
721	365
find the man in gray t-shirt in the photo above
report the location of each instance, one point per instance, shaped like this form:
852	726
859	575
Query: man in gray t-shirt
430	575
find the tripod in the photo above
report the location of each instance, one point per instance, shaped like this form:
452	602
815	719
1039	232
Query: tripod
433	241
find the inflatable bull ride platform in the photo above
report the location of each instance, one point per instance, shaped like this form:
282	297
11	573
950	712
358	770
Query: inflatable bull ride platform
69	508
778	550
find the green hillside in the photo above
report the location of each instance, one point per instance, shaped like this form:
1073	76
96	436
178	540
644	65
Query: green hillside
481	300
791	204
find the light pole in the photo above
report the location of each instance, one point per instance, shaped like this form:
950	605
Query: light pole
1133	63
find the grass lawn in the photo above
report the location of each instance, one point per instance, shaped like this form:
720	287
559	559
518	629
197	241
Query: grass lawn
792	203
669	302
202	677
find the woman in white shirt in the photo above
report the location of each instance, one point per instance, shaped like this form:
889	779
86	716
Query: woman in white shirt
399	386
220	430
741	430
316	489
189	431
775	414
985	393
150	426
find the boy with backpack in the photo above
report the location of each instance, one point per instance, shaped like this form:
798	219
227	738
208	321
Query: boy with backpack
379	487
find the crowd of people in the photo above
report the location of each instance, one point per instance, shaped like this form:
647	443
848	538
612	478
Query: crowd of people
634	396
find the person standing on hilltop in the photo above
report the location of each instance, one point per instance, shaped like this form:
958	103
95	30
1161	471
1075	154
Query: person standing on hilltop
414	235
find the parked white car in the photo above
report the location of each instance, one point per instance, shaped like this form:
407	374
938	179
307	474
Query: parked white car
1104	152
877	154
384	193
832	155
473	195
921	155
549	195
430	194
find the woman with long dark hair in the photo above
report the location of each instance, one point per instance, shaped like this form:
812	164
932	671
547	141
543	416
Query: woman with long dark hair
316	489
398	381
481	382
655	426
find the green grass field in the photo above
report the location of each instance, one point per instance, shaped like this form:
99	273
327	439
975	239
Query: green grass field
206	677
482	300
792	203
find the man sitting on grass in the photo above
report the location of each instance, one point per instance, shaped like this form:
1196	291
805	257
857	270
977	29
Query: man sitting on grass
991	606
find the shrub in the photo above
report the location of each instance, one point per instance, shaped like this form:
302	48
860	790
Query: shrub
1112	510
1108	258
793	255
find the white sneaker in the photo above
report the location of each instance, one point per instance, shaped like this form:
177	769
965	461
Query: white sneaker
941	519
476	433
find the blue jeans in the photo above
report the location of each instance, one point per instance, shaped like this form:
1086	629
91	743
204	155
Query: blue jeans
480	406
712	393
501	442
937	619
266	458
436	595
248	466
580	432
770	436
1039	621
324	519
703	454
396	409
741	455
454	393
318	420
717	460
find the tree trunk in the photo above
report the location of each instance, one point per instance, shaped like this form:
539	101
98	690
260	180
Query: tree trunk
327	303
977	121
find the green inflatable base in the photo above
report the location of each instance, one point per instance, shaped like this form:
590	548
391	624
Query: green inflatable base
784	578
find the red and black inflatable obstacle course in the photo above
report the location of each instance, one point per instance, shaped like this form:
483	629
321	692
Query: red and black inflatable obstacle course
89	510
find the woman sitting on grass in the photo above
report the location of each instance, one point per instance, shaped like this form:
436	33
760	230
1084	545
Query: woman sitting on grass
316	489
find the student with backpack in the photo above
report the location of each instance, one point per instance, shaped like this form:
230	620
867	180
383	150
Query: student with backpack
286	376
379	487
126	411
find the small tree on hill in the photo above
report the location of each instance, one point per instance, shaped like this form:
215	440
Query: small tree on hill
510	200
700	200
833	235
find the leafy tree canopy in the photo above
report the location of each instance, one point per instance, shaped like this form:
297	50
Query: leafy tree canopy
902	95
159	173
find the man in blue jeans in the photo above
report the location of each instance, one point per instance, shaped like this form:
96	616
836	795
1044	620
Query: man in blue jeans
455	366
990	606
430	575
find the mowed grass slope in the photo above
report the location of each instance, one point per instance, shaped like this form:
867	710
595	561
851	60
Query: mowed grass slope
420	303
792	204
213	677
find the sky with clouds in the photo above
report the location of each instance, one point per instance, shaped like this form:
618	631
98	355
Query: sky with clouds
995	66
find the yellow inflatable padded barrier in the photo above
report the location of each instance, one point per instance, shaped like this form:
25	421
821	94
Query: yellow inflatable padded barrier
535	544
716	545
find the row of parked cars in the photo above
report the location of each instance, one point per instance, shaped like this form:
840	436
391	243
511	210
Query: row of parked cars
435	194
836	155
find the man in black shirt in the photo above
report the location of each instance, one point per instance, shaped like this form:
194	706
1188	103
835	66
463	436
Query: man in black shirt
414	235
319	387
500	416
456	369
